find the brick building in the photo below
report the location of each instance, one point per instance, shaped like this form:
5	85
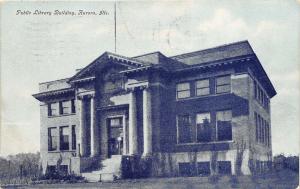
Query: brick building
202	113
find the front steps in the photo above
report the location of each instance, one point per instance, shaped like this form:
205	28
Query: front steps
109	172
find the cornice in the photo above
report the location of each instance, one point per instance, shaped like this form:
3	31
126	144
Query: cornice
44	95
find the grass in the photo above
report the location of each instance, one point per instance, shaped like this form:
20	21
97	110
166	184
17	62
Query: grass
286	180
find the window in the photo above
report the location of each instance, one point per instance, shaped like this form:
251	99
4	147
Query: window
203	127
183	90
64	107
224	167
184	129
51	169
256	127
52	109
261	96
260	129
73	137
255	89
73	107
268	135
224	130
203	168
116	122
185	169
52	139
223	84
202	87
64	138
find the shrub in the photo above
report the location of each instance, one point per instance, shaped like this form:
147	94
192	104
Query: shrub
214	179
234	181
136	167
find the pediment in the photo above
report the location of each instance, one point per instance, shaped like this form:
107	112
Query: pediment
101	62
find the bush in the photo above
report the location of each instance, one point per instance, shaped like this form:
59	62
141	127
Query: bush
214	179
136	167
234	181
56	175
145	167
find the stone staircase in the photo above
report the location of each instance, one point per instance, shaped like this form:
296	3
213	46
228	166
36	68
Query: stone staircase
109	172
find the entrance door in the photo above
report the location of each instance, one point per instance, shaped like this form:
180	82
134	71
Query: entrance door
115	136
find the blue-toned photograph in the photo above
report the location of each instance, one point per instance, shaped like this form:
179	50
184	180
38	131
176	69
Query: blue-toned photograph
150	95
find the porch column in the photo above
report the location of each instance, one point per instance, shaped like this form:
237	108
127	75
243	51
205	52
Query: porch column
147	122
93	127
132	124
82	130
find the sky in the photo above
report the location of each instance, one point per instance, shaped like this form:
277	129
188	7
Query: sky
38	48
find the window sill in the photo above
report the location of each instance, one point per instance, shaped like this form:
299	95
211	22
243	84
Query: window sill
62	115
61	151
204	96
212	142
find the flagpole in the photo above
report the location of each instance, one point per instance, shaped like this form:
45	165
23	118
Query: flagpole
115	20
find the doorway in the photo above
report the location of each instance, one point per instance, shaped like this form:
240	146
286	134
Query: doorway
115	135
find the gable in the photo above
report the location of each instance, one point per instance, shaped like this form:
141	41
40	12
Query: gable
90	70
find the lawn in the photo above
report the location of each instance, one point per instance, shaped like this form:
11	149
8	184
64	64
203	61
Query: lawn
285	180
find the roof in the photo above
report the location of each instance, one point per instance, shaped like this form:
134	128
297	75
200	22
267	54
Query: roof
157	58
130	62
227	51
208	58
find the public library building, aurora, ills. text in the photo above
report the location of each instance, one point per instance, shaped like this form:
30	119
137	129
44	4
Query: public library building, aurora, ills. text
211	107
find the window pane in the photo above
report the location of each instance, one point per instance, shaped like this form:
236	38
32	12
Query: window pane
54	109
52	139
224	128
183	94
202	83
256	126
223	80
223	89
183	86
73	137
64	138
117	122
203	168
185	169
224	167
184	129
65	131
203	127
65	107
73	107
203	91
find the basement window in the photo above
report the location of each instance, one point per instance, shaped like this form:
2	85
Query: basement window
203	168
185	169
224	167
